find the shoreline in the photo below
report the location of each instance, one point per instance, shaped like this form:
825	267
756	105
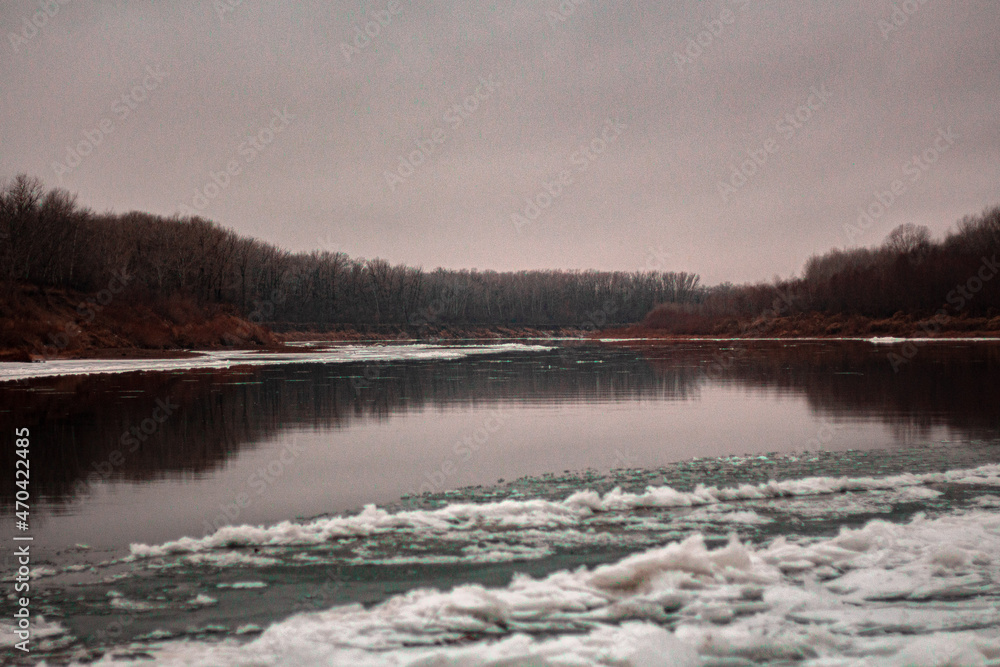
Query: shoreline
607	336
822	325
86	596
43	324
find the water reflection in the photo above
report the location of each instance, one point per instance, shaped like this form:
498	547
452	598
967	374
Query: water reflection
946	384
146	426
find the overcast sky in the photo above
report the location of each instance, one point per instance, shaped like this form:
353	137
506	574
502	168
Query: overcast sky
622	122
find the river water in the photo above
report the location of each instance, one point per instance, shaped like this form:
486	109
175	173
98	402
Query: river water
189	509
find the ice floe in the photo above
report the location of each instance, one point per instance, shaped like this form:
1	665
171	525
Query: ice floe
540	513
226	359
919	593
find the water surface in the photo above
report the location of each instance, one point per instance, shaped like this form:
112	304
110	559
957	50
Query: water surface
151	456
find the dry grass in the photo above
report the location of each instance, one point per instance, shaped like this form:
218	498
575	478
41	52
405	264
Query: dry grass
52	322
671	318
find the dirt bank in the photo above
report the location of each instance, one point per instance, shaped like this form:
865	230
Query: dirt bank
818	325
431	333
38	323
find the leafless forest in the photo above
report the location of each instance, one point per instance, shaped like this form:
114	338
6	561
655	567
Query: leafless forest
50	241
908	275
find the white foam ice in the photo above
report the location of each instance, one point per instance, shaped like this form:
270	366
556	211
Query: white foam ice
888	340
893	340
540	513
374	520
202	600
230	559
840	505
919	593
121	603
629	644
230	358
790	339
478	553
44	635
745	517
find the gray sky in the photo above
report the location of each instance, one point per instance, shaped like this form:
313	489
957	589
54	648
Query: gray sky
663	121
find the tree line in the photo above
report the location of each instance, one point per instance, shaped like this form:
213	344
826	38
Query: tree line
909	272
47	240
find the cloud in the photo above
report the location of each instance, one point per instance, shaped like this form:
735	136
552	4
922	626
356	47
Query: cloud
561	79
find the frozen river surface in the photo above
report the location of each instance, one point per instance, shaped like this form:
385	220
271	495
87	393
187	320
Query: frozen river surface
704	503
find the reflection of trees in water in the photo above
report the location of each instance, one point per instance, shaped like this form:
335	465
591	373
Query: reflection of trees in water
954	385
77	422
918	427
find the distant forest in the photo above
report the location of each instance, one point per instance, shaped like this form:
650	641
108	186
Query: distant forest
49	241
908	276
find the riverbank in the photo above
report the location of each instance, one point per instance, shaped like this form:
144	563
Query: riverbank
436	333
814	325
37	324
740	533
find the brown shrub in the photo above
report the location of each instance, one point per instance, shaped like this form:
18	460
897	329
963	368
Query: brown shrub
883	326
677	319
181	310
144	330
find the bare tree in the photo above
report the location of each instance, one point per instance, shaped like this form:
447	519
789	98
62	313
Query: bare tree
908	238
